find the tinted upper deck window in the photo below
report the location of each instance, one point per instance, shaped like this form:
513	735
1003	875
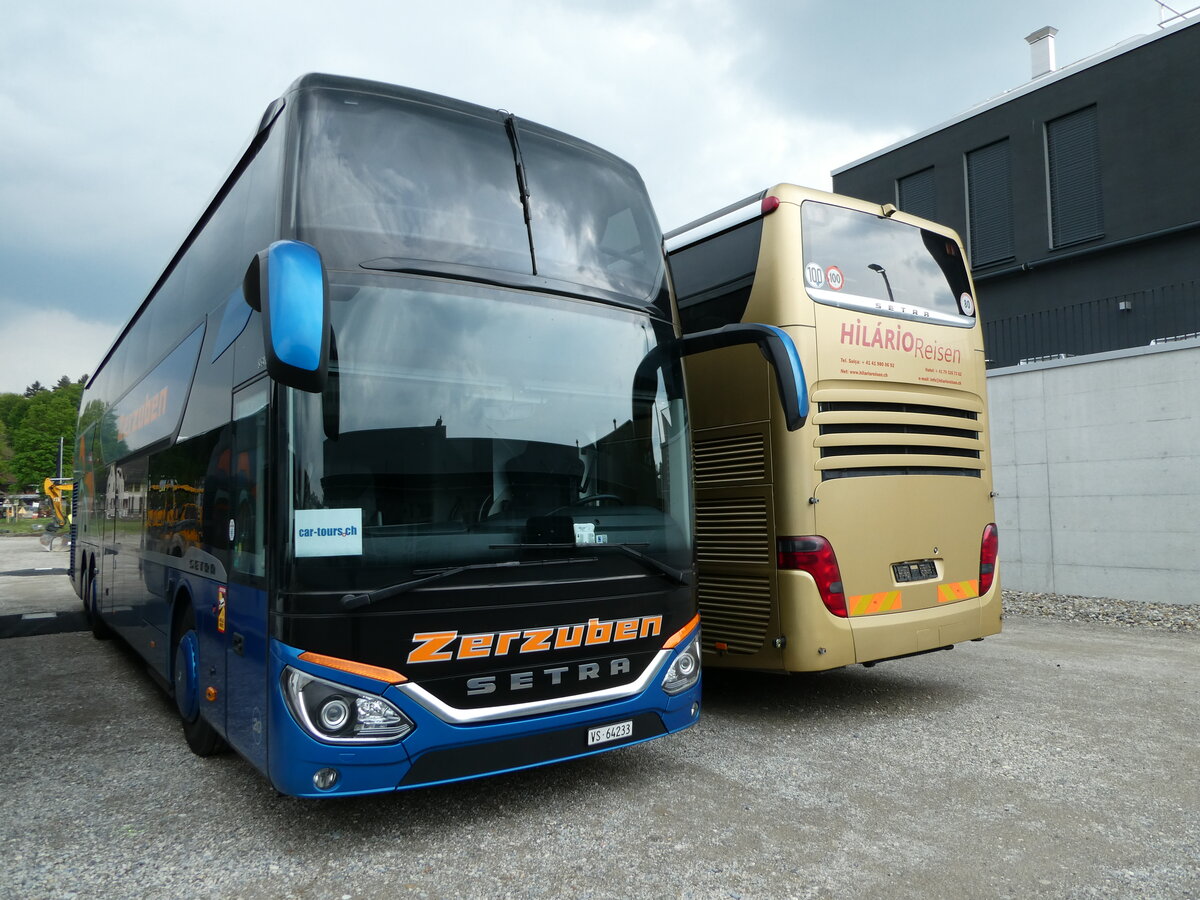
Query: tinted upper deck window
389	178
713	277
383	177
591	217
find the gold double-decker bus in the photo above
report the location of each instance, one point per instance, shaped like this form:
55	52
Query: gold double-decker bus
869	533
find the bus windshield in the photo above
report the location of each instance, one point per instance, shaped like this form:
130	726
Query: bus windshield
859	260
467	425
384	179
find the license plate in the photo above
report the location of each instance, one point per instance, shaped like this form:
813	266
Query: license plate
916	570
606	733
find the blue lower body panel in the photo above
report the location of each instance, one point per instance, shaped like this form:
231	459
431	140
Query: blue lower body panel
436	751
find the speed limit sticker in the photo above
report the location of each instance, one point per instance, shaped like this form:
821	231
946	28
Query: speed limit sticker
814	274
833	277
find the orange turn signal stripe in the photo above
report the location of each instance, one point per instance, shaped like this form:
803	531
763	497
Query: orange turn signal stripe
868	604
958	590
673	640
389	676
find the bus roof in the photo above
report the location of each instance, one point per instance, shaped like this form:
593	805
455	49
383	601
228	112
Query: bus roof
752	207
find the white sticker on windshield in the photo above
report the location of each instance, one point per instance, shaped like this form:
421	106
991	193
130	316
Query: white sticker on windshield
329	532
814	273
585	532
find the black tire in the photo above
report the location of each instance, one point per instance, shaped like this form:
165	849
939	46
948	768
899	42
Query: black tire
202	739
91	607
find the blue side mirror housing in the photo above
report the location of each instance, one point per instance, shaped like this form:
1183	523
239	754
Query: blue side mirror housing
287	284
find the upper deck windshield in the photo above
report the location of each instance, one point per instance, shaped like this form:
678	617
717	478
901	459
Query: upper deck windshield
468	425
859	260
383	180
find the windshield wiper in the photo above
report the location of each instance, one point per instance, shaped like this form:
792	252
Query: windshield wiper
427	576
510	125
444	269
679	576
488	275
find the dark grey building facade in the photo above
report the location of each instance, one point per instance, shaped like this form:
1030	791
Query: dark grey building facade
1077	194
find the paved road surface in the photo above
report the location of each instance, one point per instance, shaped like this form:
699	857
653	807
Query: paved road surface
1055	760
36	596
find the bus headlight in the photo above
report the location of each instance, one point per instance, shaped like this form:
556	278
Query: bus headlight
685	670
337	714
334	715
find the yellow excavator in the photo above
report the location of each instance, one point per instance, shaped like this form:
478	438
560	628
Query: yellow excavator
54	488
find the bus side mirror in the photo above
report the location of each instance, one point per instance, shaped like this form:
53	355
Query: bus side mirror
778	349
287	284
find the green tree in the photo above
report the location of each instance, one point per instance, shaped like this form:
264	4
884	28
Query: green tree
6	454
49	416
12	411
34	389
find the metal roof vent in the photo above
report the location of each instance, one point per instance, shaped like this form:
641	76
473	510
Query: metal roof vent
1041	46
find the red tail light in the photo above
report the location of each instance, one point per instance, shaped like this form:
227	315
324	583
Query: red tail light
814	555
769	204
989	550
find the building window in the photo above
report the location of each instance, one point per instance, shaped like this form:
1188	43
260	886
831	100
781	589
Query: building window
1073	162
989	204
915	194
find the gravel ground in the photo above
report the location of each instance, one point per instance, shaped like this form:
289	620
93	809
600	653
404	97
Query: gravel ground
1174	617
1056	760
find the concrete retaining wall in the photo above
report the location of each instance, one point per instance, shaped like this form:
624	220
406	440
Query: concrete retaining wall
1097	464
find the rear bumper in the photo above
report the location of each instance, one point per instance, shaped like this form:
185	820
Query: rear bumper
814	640
905	633
863	639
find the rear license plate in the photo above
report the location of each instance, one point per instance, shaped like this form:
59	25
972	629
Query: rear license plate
613	732
916	570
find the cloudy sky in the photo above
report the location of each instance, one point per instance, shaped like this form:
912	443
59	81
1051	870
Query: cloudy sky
118	119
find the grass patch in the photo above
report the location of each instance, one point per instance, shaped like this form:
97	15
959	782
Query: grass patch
23	526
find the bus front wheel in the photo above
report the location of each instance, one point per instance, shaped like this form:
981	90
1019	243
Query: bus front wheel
202	739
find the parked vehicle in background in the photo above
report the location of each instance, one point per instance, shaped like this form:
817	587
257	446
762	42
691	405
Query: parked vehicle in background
869	533
54	488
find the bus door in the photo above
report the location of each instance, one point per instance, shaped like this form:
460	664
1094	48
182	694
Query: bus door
105	536
93	533
136	607
120	555
245	619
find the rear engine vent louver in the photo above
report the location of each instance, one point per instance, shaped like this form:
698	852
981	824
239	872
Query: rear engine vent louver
882	437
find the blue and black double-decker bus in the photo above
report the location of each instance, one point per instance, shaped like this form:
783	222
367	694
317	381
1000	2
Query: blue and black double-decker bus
388	478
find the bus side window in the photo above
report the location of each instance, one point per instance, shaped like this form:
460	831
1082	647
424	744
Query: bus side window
705	312
248	477
713	278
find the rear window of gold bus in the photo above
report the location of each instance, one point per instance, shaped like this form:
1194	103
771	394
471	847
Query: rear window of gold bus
858	260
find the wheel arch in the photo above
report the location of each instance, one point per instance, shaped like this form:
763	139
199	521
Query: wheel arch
181	601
